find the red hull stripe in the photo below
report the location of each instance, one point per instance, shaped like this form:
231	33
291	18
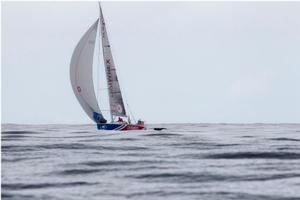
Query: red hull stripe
131	127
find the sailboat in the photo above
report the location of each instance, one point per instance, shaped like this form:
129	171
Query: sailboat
81	75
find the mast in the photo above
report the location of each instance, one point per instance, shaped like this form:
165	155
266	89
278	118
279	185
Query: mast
100	10
116	102
101	34
101	18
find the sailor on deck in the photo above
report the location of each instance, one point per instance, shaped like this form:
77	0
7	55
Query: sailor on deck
120	120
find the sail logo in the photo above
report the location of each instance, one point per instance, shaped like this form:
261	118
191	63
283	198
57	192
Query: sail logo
116	108
78	89
109	77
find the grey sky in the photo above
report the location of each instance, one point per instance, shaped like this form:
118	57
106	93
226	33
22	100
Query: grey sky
177	62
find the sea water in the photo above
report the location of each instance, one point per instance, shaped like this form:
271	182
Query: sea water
185	161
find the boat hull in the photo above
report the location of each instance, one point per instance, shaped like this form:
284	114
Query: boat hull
120	127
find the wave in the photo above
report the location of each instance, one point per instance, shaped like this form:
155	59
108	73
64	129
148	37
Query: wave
162	134
189	177
20	159
19	132
5	195
77	171
207	195
285	139
256	155
22	186
68	146
180	177
117	163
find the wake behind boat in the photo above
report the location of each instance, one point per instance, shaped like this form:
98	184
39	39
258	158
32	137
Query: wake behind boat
81	74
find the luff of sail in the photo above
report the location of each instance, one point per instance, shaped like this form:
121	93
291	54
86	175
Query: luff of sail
81	74
116	103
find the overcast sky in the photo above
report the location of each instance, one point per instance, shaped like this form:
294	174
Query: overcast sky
235	62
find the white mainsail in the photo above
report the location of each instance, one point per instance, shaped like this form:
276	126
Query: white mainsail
115	96
81	74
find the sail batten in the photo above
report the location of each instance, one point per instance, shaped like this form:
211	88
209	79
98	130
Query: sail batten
117	107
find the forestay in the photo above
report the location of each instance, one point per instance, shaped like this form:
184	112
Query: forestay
81	73
115	97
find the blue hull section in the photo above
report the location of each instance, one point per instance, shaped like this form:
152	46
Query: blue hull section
110	126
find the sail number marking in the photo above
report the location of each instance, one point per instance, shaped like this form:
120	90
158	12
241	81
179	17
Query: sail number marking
109	76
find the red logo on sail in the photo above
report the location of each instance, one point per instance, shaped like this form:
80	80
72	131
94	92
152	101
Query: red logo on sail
78	89
116	108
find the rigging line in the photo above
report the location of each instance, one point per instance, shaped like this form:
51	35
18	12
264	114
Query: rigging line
131	113
129	110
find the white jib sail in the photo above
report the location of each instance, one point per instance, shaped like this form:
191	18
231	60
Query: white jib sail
115	96
81	73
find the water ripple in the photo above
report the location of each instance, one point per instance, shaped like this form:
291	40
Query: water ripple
186	161
22	186
256	155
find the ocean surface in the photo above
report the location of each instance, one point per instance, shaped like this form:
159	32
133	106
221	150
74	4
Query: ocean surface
185	161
